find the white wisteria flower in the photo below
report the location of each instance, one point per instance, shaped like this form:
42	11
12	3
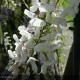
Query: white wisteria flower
37	22
43	6
37	32
35	2
42	47
32	60
60	21
44	69
76	2
22	27
15	37
46	8
49	37
48	17
35	5
41	57
24	56
26	34
29	43
23	38
18	48
11	54
34	67
34	8
7	41
29	13
56	44
45	66
71	10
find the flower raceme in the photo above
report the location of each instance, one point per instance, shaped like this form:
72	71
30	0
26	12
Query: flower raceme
40	37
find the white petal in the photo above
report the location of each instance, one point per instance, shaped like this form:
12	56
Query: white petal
29	43
31	59
34	67
15	38
35	2
52	1
23	57
11	55
25	33
42	57
56	44
60	21
44	1
21	28
37	22
49	37
42	9
46	8
43	69
18	49
33	8
42	47
48	17
23	38
29	13
68	11
37	32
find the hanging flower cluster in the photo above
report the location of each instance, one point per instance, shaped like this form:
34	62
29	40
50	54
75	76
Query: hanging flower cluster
41	39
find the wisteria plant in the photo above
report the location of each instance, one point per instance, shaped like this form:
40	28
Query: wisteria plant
37	50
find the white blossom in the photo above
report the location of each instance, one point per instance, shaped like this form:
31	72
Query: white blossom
23	38
15	38
60	21
44	1
42	47
42	57
31	59
18	49
34	67
56	44
29	43
33	8
35	2
48	17
46	8
68	11
43	69
45	65
49	37
37	22
22	27
29	13
26	33
11	55
37	32
23	56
